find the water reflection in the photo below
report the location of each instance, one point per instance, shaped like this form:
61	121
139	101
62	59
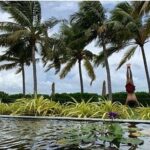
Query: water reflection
38	134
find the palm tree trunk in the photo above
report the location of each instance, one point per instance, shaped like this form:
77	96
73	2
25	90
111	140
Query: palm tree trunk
81	79
146	68
107	71
34	71
23	80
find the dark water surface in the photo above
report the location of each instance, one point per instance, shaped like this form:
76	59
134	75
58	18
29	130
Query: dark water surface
27	134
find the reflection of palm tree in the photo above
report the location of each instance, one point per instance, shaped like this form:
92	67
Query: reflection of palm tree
135	31
91	20
76	53
27	25
18	55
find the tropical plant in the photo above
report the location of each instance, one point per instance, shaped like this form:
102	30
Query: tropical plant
27	26
135	32
80	110
106	106
4	109
37	107
143	113
75	44
91	20
18	55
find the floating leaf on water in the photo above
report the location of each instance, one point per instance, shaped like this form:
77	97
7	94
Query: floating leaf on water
132	141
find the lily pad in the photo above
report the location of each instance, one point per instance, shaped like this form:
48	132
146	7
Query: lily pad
132	141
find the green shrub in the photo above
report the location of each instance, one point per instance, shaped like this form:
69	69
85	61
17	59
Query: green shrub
3	95
36	107
143	97
67	97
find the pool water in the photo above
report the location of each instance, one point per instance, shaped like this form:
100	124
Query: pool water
29	134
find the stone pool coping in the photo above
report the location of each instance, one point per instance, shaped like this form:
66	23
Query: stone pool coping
76	119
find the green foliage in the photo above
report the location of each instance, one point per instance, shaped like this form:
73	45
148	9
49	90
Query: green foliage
91	136
106	106
37	107
67	97
4	109
143	97
143	113
82	109
3	95
47	107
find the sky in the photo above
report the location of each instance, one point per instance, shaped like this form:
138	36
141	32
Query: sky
12	83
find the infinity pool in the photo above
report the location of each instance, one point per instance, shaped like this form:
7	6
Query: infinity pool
28	134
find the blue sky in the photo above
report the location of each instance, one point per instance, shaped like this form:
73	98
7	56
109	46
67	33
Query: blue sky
12	83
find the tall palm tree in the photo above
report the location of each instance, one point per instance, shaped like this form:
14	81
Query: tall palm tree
137	30
91	20
27	25
17	56
76	53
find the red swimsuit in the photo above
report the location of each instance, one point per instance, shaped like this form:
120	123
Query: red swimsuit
130	88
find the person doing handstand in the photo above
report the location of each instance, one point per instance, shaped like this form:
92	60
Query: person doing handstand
130	88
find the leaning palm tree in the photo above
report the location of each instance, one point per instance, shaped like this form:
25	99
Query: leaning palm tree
76	53
92	22
27	25
136	29
17	56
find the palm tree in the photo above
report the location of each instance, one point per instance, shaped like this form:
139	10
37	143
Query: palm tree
56	55
92	21
27	25
76	53
141	7
17	56
136	29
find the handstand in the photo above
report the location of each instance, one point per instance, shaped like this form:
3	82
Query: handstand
130	88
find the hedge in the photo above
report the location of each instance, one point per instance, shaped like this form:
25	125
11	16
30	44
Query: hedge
143	97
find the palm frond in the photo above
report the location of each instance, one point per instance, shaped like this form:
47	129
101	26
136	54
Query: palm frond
8	66
36	12
130	52
17	35
10	26
88	54
99	59
51	22
67	68
15	10
8	58
89	69
18	70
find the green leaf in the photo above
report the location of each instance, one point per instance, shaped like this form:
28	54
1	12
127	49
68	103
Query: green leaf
133	141
130	52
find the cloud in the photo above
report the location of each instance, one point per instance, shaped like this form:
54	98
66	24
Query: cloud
60	10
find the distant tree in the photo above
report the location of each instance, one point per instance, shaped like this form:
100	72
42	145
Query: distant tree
17	56
92	22
27	25
76	53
